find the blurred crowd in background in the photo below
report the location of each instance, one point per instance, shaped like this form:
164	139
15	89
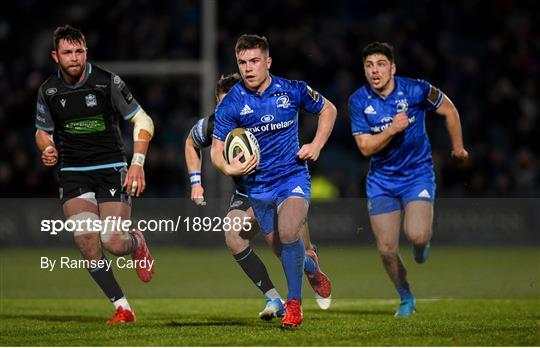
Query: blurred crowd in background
483	55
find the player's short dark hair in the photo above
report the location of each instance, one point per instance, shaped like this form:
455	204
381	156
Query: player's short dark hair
226	82
377	47
250	41
68	33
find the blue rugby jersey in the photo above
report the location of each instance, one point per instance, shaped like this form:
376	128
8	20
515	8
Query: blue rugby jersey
272	117
409	151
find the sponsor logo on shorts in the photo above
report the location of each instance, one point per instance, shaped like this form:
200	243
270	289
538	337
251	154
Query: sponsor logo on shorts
236	204
63	102
424	194
113	192
298	189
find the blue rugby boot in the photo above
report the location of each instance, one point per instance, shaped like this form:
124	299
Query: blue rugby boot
406	308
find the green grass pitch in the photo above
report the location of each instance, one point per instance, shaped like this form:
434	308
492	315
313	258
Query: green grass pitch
485	296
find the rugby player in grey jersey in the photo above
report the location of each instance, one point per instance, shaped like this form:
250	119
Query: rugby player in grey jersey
77	118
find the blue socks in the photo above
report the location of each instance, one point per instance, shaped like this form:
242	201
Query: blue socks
309	265
404	291
293	258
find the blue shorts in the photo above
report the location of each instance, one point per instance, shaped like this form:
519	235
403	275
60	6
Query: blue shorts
265	204
391	193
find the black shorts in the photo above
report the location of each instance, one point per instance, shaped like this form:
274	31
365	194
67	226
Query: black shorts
239	201
105	183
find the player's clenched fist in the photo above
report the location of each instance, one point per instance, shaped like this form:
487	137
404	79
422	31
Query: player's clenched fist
399	122
197	194
309	152
460	154
49	156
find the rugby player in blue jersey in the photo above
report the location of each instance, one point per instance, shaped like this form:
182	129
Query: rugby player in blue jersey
237	238
278	186
388	124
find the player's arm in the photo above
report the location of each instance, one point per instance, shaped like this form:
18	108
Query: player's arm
45	130
236	168
327	118
45	144
193	156
143	131
223	123
453	125
370	144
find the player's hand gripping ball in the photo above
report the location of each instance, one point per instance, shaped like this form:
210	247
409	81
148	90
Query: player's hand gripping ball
240	140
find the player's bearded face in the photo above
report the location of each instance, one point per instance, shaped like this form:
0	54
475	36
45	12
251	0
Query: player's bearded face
71	57
254	65
379	71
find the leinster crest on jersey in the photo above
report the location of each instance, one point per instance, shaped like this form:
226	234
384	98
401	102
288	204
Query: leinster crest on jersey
283	101
402	105
91	100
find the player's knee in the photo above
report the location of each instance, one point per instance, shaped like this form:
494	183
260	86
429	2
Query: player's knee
89	247
235	242
86	239
387	250
287	235
115	243
420	241
114	246
420	237
91	253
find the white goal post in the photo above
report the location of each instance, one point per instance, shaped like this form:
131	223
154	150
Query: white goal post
205	68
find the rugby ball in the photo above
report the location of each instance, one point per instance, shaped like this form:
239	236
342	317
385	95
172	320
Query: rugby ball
240	140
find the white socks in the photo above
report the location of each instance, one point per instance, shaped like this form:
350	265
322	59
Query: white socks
121	303
272	294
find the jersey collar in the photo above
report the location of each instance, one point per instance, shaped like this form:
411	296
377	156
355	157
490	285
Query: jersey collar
273	85
372	93
87	73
